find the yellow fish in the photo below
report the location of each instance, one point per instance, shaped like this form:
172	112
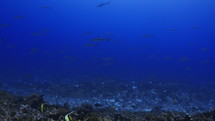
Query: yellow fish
43	108
68	117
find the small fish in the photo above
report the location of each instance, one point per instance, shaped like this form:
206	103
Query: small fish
97	39
168	58
133	48
203	49
185	59
3	40
68	116
107	34
4	25
66	45
148	35
205	61
108	59
152	56
91	45
11	46
171	29
188	68
94	59
34	50
47	7
38	34
147	46
103	4
107	64
72	58
43	108
174	101
192	44
61	51
19	17
86	33
46	30
195	27
117	41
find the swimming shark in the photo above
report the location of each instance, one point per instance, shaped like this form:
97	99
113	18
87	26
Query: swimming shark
103	4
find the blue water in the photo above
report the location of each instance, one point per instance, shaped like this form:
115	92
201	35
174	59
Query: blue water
123	40
180	46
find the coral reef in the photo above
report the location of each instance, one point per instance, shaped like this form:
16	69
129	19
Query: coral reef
123	96
33	108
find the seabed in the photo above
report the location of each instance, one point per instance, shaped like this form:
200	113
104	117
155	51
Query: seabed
107	100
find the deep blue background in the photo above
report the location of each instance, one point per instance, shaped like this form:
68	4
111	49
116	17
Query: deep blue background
185	54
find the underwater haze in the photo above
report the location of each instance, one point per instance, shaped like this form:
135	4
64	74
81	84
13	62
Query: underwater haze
57	41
